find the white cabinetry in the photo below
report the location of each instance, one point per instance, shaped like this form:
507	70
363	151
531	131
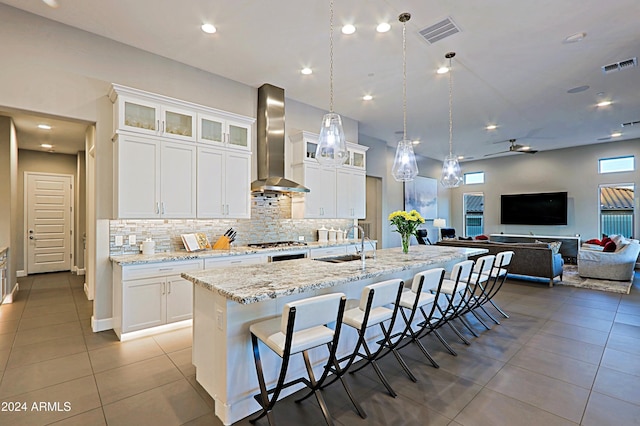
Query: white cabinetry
223	183
222	130
157	174
334	192
327	251
249	259
150	295
154	178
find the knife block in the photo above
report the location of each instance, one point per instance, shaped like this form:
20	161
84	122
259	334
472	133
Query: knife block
222	243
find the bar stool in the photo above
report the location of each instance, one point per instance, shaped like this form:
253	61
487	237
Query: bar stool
454	289
372	310
477	294
417	299
301	327
499	275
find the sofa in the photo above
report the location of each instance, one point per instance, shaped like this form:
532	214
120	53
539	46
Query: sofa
617	265
530	259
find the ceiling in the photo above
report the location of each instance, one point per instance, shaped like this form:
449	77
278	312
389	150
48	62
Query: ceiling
513	67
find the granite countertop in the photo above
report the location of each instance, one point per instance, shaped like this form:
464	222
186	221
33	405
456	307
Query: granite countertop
253	283
136	259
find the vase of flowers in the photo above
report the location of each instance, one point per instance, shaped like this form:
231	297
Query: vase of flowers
406	224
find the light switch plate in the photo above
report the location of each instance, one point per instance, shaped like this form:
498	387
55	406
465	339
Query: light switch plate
118	241
132	240
300	237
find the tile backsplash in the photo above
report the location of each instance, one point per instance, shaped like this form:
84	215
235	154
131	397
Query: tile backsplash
270	221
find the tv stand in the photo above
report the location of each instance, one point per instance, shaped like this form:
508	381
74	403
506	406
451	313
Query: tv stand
568	249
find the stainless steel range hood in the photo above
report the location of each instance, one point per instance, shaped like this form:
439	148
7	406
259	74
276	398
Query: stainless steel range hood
270	138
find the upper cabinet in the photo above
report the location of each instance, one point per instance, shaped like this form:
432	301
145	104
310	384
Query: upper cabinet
156	175
334	192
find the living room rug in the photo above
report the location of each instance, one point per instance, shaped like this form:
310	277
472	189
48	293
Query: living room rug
570	277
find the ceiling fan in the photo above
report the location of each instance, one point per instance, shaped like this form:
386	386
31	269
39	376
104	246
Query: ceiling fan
514	147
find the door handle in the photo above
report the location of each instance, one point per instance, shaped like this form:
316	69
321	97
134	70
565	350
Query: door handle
31	237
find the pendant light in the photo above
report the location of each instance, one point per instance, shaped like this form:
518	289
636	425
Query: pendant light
405	167
451	173
332	147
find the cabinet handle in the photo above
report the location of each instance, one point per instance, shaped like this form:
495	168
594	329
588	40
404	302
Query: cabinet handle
165	269
157	208
164	288
227	209
158	125
169	287
236	261
162	126
222	208
162	204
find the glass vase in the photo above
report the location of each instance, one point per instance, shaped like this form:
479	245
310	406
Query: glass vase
406	238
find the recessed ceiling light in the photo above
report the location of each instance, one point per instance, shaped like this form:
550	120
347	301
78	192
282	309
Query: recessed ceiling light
306	71
460	157
525	148
415	142
51	3
44	126
383	27
491	127
367	97
443	70
574	38
616	135
348	29
208	28
604	103
46	145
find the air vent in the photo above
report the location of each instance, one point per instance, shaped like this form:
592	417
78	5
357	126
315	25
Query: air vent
630	123
437	32
618	66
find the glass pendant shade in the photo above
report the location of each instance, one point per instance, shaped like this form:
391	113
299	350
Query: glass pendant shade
451	172
332	148
405	167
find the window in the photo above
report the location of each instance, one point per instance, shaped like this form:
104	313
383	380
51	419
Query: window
473	205
618	164
473	178
616	209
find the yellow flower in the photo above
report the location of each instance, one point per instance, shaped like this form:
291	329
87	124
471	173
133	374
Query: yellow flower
406	223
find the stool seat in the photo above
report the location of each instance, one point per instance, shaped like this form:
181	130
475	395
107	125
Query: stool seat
448	286
408	299
355	317
269	332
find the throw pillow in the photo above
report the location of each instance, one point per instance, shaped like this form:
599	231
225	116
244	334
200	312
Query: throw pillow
482	237
465	238
610	247
594	241
553	245
604	241
618	239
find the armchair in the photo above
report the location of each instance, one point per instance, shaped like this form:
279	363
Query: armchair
616	266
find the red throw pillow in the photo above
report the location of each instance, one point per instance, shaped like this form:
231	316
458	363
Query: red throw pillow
609	247
594	241
481	237
604	241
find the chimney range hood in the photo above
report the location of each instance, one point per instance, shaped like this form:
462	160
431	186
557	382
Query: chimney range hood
270	143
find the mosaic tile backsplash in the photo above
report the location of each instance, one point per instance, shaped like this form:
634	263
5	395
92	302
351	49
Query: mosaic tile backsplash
270	221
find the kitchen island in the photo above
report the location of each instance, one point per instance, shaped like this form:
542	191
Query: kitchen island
228	299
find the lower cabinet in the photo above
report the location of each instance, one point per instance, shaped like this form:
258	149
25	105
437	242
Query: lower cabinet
150	295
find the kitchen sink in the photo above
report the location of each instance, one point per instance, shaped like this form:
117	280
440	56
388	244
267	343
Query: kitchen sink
339	259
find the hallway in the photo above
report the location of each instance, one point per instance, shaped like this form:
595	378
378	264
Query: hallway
566	356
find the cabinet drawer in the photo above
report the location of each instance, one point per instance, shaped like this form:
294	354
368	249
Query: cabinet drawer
328	251
250	259
160	269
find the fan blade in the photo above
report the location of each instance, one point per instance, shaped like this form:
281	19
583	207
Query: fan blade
496	153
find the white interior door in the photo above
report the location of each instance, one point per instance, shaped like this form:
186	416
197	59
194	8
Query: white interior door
49	218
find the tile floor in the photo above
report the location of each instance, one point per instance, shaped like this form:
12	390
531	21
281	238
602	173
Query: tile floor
566	356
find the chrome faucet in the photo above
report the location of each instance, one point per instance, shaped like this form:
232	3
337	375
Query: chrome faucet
362	256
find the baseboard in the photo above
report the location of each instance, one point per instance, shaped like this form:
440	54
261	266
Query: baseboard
80	271
101	324
156	330
21	274
10	297
86	291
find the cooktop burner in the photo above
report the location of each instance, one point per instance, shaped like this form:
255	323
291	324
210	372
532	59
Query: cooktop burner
278	244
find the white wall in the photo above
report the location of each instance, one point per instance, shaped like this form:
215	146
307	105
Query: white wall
574	170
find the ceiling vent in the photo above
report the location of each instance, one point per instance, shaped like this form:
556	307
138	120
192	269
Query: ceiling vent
630	124
618	66
437	32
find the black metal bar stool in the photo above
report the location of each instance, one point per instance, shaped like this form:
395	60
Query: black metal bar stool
301	327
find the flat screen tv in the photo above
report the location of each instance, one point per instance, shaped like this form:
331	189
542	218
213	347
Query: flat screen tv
549	208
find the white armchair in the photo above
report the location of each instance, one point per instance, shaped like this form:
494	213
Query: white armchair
616	266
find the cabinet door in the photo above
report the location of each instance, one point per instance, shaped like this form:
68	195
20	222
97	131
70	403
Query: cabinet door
179	299
320	202
344	194
210	183
211	129
144	303
359	195
178	123
138	115
238	135
178	180
137	175
238	185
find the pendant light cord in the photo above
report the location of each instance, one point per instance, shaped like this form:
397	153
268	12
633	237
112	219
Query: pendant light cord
331	56
450	109
404	77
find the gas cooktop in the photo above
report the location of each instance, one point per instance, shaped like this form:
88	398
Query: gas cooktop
278	244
